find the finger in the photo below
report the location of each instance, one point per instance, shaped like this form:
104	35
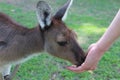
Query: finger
76	69
74	66
89	48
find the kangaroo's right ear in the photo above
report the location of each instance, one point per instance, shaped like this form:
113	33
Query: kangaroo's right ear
43	11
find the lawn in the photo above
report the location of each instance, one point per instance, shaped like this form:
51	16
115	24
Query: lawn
89	19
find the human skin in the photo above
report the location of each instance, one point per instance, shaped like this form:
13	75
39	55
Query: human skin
96	50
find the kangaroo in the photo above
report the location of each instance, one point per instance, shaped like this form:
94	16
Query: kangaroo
18	43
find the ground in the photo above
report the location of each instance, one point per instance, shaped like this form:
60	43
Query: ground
89	19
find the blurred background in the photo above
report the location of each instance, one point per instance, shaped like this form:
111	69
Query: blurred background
89	19
29	5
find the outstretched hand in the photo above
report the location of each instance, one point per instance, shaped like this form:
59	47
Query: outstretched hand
92	59
95	51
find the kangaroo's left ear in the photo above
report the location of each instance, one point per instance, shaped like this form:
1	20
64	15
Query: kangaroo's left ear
62	12
43	11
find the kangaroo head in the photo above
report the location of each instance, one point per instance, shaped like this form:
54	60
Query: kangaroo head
59	40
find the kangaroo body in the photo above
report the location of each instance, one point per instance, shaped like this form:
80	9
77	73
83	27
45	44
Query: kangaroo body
18	44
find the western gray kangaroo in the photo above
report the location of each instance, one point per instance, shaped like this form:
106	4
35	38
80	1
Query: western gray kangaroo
18	43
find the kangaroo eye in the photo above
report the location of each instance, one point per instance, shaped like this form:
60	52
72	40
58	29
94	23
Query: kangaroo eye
63	43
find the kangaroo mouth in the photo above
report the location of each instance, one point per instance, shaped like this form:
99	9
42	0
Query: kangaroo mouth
78	64
79	55
80	61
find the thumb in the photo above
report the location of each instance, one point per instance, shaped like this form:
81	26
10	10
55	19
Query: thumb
89	48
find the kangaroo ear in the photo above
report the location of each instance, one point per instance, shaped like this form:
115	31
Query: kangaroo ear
62	12
43	11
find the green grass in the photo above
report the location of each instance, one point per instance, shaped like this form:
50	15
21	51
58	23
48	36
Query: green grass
90	19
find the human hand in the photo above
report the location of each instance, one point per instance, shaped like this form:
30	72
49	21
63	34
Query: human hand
92	59
96	51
